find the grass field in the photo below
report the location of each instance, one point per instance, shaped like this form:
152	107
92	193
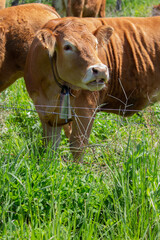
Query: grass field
113	194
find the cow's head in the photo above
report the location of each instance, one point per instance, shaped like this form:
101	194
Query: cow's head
75	52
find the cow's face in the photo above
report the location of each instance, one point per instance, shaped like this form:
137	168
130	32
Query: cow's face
75	53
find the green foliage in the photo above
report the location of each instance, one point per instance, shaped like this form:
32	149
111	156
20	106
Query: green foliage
137	8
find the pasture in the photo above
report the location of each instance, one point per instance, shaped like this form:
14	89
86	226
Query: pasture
113	194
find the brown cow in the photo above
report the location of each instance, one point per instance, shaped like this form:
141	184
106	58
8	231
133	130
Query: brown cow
18	26
132	55
80	8
2	4
156	10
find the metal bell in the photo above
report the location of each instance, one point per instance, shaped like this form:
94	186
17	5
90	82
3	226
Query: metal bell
65	107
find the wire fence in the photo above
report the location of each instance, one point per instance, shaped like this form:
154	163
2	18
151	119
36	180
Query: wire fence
5	106
47	109
102	145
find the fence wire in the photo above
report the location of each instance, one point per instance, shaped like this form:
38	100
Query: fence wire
105	145
21	108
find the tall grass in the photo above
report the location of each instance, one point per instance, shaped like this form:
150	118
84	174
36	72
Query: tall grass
113	194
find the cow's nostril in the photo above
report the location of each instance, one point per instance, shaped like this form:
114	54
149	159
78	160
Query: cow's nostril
95	71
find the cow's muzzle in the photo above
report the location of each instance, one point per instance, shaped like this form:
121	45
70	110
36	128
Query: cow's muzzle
96	77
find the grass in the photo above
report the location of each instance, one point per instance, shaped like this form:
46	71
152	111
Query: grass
114	194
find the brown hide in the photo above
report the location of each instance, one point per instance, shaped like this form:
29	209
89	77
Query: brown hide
80	8
2	4
156	10
132	55
18	26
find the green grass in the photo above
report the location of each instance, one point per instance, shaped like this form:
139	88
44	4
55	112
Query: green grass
137	8
113	194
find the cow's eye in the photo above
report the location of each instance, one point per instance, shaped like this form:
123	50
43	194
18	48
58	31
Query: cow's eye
67	47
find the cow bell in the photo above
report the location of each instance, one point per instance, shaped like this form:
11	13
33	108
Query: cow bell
65	107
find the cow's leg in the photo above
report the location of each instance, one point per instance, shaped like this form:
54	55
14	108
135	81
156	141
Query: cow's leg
2	4
51	134
77	7
81	129
68	129
85	104
68	8
102	12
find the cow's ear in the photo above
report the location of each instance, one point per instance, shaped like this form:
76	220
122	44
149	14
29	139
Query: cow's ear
47	39
103	34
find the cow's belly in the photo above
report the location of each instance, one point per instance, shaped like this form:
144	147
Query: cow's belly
131	105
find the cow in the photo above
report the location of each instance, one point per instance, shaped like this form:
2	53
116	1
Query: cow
106	64
18	26
80	8
156	10
2	4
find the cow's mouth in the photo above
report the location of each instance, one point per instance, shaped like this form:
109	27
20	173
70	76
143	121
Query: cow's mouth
97	82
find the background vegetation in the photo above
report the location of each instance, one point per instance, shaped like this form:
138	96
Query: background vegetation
113	194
